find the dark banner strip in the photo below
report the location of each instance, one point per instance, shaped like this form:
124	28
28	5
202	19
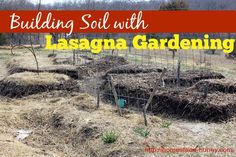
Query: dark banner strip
117	21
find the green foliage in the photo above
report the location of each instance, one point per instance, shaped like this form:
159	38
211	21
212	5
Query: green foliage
142	132
109	137
166	124
175	5
3	39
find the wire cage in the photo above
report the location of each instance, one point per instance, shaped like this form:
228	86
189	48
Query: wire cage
128	78
184	83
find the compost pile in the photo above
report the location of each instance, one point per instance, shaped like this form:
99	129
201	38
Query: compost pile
220	85
105	63
28	83
134	69
187	101
147	80
18	65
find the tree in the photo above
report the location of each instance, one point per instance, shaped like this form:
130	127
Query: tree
175	5
3	39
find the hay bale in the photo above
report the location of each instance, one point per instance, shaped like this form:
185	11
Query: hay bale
28	83
27	64
220	85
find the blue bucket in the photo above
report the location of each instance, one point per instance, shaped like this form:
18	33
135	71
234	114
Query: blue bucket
122	103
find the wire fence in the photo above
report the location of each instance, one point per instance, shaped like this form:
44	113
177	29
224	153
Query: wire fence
135	72
155	81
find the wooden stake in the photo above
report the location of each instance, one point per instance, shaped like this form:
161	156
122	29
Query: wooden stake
98	98
74	60
152	95
144	116
178	73
115	95
205	90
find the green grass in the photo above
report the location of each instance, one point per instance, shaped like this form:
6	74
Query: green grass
142	132
109	137
166	124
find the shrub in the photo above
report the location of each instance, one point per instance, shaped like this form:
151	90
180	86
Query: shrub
175	5
109	137
142	132
3	39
